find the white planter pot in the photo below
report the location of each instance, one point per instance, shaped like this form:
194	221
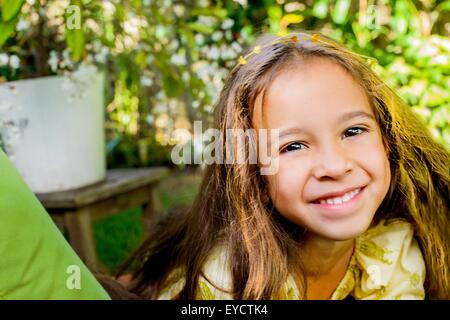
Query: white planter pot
52	129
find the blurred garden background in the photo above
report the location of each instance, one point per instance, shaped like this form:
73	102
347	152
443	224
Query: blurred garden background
165	62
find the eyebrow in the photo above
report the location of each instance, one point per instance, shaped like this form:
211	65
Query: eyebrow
344	117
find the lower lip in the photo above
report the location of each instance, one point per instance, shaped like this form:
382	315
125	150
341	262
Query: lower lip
340	209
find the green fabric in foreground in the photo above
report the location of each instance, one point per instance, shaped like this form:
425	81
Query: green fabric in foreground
36	262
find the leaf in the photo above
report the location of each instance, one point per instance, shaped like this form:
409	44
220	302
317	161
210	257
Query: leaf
362	36
275	13
340	11
172	85
74	30
444	6
141	59
75	42
6	30
214	11
399	22
194	26
10	9
108	34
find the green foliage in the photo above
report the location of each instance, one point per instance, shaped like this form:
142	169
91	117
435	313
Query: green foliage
167	59
6	29
74	30
409	39
9	10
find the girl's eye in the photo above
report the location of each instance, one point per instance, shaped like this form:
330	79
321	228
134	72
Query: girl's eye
354	131
293	146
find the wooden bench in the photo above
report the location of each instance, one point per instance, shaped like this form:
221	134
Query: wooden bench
74	211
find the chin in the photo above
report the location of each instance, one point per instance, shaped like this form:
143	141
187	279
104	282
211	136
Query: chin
344	231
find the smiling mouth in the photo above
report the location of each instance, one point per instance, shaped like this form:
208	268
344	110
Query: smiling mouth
346	197
341	206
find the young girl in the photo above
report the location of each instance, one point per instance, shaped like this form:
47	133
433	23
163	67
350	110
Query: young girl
358	208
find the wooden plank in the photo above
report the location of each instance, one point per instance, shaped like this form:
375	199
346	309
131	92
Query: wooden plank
109	207
132	199
117	181
152	209
81	236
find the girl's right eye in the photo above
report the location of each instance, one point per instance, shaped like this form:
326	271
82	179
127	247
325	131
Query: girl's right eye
293	147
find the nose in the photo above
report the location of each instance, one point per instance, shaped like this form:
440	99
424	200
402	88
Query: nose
332	163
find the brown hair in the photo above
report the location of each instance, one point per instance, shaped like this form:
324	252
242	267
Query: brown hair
233	205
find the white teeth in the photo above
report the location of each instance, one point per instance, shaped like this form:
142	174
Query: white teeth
347	197
338	200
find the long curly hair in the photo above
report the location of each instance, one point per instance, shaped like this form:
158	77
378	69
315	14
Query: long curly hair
233	204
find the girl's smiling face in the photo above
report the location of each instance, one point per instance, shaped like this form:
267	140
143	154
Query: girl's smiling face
333	169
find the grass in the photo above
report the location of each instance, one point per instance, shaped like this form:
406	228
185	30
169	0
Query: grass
118	236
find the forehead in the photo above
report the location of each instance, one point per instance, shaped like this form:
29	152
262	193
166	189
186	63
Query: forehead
310	90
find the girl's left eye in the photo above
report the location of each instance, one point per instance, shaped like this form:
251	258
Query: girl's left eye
293	147
354	131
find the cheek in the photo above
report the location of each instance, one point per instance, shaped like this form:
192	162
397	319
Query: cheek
287	185
374	159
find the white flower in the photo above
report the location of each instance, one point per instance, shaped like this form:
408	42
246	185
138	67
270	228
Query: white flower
53	61
178	59
195	104
85	72
208	21
179	9
428	50
92	25
440	59
101	57
199	39
161	108
96	45
237	47
203	3
173	45
241	2
146	81
4	59
160	95
14	62
110	9
227	52
213	53
216	36
227	23
66	60
150	119
22	25
131	28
